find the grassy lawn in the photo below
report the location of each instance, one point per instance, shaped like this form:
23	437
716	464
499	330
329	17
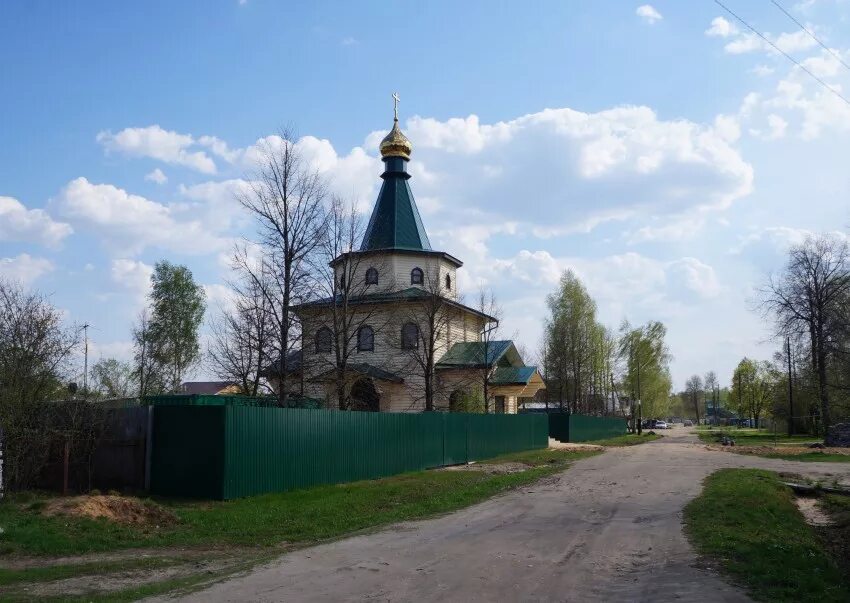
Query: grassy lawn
811	457
747	521
629	439
269	520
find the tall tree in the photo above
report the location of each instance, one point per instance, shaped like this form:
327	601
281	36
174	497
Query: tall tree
177	311
694	391
753	386
712	389
808	299
646	359
488	305
286	199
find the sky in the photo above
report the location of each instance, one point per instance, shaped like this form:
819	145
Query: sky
663	152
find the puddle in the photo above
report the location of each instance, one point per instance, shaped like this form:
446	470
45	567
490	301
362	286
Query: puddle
812	512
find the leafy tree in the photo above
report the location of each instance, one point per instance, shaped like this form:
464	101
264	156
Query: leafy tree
753	387
694	392
647	366
111	378
167	342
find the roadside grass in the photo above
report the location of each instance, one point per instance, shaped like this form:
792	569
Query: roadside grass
756	437
746	520
837	537
629	439
811	457
270	520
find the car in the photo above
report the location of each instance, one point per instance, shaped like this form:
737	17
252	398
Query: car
661	425
688	423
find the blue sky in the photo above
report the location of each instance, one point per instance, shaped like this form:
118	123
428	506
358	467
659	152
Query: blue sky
661	151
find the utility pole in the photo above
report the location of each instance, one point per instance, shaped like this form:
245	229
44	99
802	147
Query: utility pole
790	389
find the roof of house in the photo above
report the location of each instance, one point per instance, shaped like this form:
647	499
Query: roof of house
293	364
471	354
204	387
366	370
512	375
411	294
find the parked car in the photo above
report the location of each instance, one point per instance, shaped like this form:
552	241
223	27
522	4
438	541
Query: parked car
661	425
688	423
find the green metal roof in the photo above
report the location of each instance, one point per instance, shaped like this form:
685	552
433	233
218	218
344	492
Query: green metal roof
411	294
395	221
470	354
367	370
512	375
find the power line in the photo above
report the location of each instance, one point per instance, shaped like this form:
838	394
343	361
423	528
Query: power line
783	53
811	34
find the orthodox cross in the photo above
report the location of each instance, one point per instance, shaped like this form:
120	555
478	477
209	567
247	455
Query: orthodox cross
395	103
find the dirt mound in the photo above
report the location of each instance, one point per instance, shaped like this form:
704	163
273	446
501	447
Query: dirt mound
491	468
119	509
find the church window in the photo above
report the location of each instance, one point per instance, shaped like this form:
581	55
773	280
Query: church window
371	276
409	336
324	338
417	277
366	339
449	282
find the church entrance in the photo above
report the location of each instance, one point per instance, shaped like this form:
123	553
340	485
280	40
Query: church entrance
365	396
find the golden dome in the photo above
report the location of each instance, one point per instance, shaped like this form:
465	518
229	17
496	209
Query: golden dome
396	144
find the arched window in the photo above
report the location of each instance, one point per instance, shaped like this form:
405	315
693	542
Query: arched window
449	282
409	336
366	339
417	277
371	277
324	339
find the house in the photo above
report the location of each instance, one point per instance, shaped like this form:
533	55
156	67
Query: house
209	388
397	312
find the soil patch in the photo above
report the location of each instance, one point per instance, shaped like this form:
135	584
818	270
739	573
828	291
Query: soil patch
781	449
119	509
812	512
490	469
557	445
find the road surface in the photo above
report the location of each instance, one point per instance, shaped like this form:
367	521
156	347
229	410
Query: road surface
607	529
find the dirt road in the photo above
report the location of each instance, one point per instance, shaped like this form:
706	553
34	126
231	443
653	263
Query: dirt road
608	529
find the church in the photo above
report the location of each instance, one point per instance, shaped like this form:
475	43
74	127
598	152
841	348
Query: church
396	335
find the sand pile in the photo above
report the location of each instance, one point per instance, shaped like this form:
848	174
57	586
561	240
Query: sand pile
119	509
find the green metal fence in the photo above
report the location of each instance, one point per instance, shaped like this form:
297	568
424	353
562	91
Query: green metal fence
581	428
230	451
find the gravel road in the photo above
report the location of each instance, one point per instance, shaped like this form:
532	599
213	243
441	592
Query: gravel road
607	529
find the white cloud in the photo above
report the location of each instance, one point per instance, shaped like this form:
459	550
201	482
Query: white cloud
571	171
158	143
133	275
741	42
762	70
24	268
648	13
721	28
17	223
156	176
132	222
349	41
694	276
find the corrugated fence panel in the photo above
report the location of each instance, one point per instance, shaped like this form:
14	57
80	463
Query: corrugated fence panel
233	451
559	426
187	456
584	428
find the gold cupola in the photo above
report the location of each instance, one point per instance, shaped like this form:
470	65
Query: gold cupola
396	144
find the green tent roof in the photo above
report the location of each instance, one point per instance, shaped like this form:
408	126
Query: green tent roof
470	354
395	221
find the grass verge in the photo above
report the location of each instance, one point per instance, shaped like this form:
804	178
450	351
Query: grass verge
630	439
271	519
746	520
756	437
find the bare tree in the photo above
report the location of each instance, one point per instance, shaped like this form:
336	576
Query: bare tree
712	388
488	305
423	328
341	277
148	371
286	198
805	299
35	353
243	337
